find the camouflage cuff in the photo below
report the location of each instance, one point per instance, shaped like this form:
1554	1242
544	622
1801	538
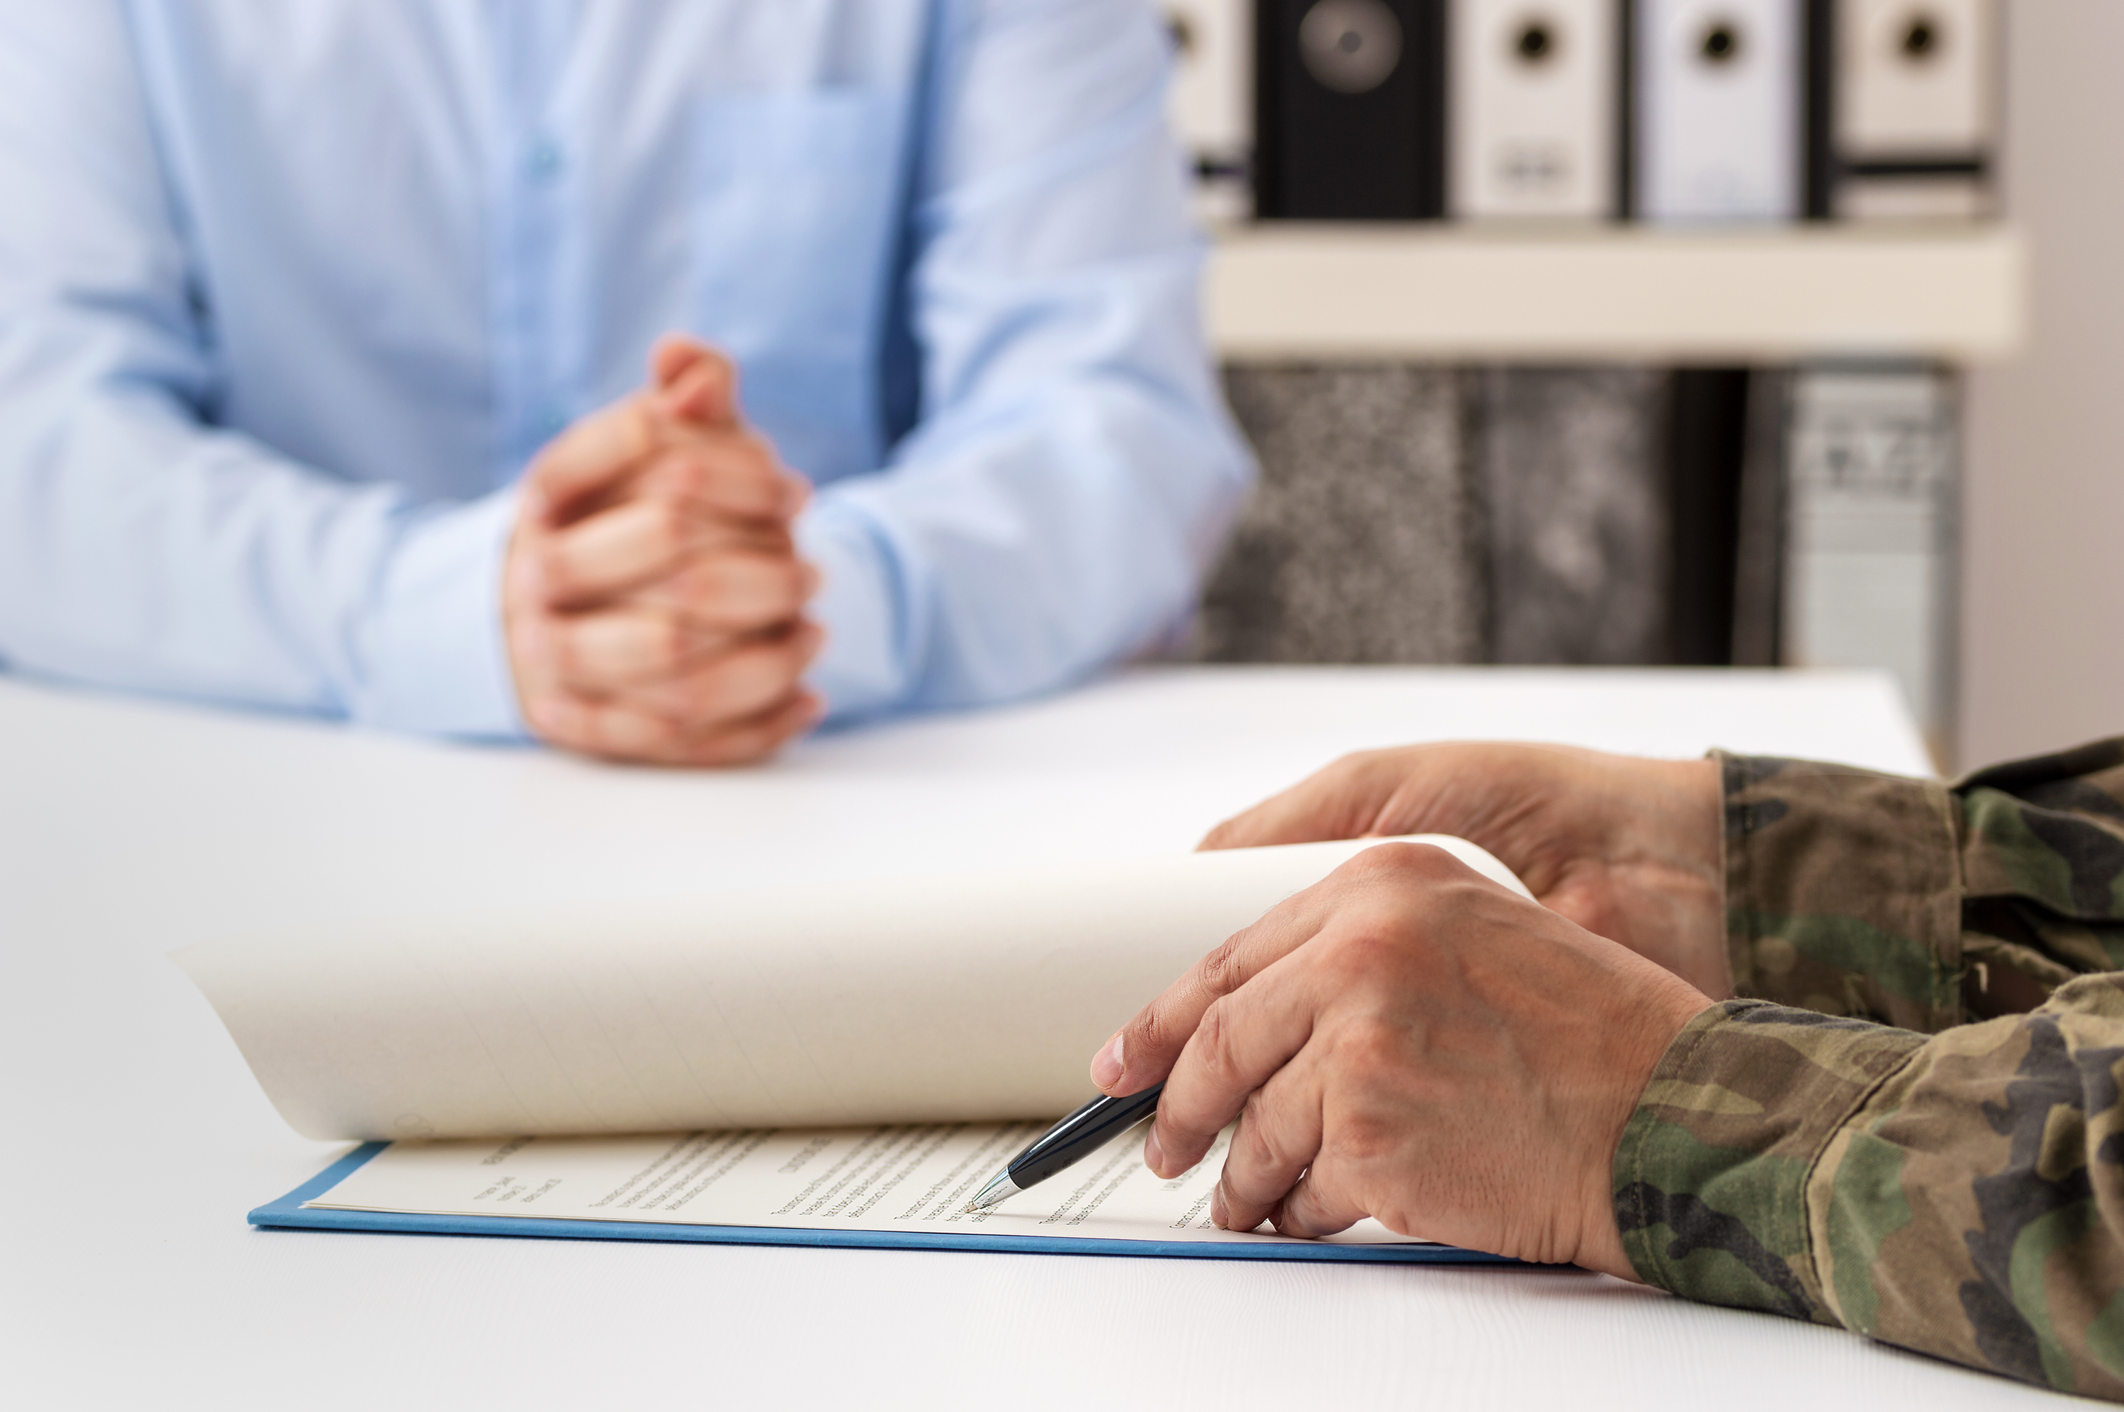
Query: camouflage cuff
1710	1177
1843	891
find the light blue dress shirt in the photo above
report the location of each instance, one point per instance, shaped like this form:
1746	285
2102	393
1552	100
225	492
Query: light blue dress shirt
290	293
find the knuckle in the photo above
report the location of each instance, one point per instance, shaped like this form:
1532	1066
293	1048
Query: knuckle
1394	859
1364	1137
1151	1032
1223	970
1259	1138
636	425
1213	1040
1369	1046
1359	953
1402	866
1356	763
1348	775
787	584
787	659
551	568
1146	1031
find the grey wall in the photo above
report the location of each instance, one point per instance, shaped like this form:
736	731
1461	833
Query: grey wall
2043	509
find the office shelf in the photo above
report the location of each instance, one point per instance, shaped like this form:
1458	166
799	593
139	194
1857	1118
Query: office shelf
1285	292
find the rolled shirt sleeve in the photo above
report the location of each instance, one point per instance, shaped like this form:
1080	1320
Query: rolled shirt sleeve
1961	1193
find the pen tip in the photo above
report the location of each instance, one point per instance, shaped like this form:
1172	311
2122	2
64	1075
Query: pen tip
995	1193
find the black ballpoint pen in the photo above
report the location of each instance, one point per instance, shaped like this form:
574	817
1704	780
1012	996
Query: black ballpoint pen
1067	1143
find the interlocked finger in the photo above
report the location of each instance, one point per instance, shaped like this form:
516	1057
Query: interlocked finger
694	382
617	550
613	649
734	685
616	730
723	473
588	457
745	742
739	591
606	728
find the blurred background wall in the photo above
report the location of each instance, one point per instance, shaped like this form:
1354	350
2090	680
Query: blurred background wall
2042	661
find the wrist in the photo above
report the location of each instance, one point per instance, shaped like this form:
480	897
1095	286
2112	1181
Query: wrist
1665	1012
1665	847
436	658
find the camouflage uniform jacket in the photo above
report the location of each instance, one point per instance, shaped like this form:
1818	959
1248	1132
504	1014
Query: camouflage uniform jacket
1912	1126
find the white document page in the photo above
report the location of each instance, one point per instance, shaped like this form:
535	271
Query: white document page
947	999
914	1177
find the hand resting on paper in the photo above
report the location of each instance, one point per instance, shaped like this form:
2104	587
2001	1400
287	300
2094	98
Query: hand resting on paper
1627	848
654	598
1409	1041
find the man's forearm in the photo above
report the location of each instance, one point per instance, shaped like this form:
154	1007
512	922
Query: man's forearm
1917	903
1960	1195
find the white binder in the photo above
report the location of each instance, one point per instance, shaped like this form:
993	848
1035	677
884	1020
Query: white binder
1211	102
1915	106
1533	108
1718	109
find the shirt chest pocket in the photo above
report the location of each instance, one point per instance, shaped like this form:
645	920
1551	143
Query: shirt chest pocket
795	227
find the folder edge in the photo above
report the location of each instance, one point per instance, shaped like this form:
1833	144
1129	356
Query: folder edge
289	1213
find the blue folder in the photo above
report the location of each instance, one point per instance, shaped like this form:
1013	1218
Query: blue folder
290	1212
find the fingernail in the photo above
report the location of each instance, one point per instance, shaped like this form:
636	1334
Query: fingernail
548	715
1154	1152
1106	1065
1220	1216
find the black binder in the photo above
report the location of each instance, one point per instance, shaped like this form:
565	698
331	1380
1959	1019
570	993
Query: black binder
1349	109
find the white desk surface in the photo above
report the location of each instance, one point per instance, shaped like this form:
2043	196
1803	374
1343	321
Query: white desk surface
135	1140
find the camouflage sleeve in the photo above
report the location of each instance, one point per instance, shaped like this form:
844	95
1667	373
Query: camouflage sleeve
1921	904
1961	1194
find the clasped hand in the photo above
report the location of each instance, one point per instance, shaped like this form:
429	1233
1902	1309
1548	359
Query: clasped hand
653	596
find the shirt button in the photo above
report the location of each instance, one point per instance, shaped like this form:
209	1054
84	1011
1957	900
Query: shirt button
544	163
552	421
